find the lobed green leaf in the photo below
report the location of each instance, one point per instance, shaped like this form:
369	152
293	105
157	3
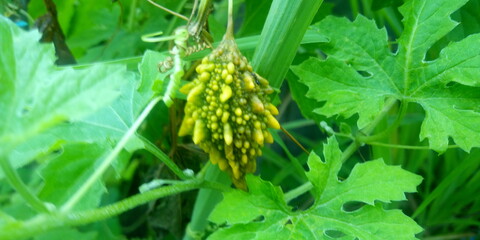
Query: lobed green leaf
263	214
67	118
37	96
361	72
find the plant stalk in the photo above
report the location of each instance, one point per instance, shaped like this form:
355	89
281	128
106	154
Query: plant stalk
347	153
110	158
16	182
150	147
131	15
229	35
286	24
375	122
44	222
206	201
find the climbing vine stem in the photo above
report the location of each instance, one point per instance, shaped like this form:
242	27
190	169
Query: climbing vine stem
48	221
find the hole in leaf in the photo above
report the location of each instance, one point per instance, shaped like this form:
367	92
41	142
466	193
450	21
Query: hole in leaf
222	225
450	84
289	221
24	111
352	206
27	107
260	218
302	202
51	153
334	234
393	46
365	73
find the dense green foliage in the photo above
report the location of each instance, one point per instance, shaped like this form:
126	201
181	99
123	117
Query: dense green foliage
387	91
329	212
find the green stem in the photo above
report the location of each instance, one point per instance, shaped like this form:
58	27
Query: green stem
174	13
131	15
298	124
300	171
292	194
392	20
44	222
206	201
367	11
347	153
198	20
14	179
229	34
375	122
287	20
110	158
354	7
387	145
31	21
172	23
244	44
349	136
150	147
388	105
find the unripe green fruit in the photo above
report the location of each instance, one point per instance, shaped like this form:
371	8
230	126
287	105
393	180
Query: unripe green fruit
228	111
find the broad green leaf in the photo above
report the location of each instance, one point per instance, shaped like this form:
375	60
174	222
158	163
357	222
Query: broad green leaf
111	122
94	107
64	175
36	95
106	125
90	139
263	214
361	72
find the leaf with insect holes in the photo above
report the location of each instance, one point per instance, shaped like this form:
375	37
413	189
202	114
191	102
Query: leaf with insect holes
112	121
66	118
36	95
360	72
91	139
263	214
107	125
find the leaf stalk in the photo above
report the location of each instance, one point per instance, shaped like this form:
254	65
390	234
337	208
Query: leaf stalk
16	182
44	222
110	158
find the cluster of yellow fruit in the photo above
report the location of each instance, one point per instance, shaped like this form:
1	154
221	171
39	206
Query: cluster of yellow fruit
228	111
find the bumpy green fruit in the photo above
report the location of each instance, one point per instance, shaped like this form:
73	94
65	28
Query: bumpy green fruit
228	111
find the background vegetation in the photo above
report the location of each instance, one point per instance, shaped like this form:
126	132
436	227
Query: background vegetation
56	147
